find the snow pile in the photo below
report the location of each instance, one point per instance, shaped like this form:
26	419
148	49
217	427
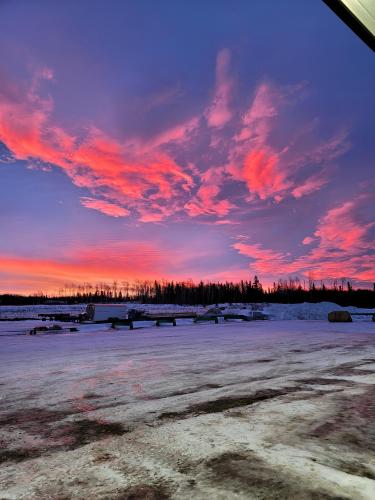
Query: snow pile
307	310
304	311
32	311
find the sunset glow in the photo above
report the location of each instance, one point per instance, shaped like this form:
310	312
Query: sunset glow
183	146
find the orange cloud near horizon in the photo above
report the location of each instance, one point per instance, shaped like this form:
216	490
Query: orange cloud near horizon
123	262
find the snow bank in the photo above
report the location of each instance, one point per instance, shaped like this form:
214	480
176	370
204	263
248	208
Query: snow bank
307	310
9	312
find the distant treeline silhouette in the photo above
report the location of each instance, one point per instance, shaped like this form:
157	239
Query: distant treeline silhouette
190	293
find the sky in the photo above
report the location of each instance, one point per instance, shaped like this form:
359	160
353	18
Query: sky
181	140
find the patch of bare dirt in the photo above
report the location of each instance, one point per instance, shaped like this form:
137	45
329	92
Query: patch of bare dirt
18	455
265	360
31	418
227	403
141	492
327	381
92	395
247	473
352	423
188	390
316	348
52	433
102	457
352	368
81	432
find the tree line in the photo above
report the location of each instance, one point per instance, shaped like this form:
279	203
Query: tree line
205	293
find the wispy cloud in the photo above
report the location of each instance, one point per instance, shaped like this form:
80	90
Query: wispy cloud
278	173
263	175
266	261
178	134
256	122
311	184
206	201
219	113
343	246
105	207
308	240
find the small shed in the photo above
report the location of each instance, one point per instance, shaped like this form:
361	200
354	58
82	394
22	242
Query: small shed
103	312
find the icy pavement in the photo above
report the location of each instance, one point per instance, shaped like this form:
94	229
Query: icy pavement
263	410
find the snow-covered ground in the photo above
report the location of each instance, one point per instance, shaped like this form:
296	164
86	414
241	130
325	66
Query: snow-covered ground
33	311
238	410
305	310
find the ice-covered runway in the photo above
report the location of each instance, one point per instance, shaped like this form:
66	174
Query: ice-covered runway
281	409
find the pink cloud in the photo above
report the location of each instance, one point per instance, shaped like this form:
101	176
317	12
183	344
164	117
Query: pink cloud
222	222
162	97
326	151
310	185
257	120
265	261
263	175
94	161
152	217
105	207
308	240
344	240
125	261
271	173
206	201
343	229
178	134
219	112
105	165
252	159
